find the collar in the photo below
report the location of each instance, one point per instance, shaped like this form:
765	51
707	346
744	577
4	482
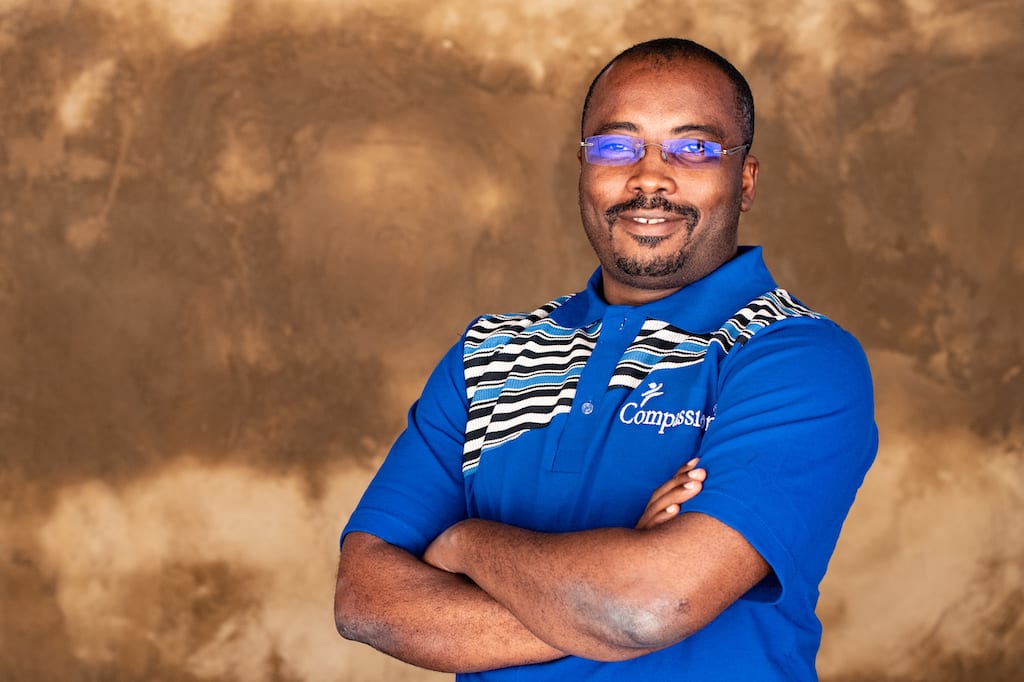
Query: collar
699	307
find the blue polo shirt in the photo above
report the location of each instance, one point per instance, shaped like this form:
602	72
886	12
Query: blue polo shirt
568	417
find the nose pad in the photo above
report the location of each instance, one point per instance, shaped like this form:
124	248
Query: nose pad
649	178
661	151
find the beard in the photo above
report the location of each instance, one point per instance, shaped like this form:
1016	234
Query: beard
659	266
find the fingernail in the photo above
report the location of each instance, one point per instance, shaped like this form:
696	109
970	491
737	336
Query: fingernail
691	485
693	462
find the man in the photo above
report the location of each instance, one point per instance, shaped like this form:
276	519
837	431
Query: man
541	517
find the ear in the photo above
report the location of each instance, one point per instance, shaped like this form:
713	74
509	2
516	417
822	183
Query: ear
749	191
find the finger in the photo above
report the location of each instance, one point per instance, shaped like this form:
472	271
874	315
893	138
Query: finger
684	473
680	480
668	502
677	495
655	517
692	464
667	506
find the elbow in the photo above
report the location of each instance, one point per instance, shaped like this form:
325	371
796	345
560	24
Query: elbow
345	623
352	615
359	625
345	614
353	630
634	627
363	610
648	627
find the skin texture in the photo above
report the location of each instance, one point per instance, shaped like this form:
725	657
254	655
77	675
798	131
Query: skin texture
701	208
606	594
609	593
437	619
398	604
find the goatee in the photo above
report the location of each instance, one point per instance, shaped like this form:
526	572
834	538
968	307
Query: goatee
660	266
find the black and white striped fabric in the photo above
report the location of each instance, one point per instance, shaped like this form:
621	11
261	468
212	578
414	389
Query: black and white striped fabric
521	371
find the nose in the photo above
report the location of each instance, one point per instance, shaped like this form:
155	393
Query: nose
652	173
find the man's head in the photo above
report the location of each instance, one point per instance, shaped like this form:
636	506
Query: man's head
665	50
660	222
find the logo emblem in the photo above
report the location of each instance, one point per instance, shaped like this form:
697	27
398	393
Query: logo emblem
653	391
636	414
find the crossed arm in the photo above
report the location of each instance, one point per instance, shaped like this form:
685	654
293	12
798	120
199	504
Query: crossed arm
487	595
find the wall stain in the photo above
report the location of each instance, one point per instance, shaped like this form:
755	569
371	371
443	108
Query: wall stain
235	237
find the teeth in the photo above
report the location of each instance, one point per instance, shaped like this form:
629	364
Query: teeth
649	221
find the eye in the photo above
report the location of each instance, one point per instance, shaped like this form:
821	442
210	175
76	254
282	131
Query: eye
692	152
688	148
612	148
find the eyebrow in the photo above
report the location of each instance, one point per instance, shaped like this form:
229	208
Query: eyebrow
712	130
616	125
626	126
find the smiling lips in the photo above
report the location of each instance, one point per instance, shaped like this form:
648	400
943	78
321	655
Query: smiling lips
648	230
651	230
652	210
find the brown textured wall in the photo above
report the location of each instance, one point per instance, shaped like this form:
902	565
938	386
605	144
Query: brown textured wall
236	234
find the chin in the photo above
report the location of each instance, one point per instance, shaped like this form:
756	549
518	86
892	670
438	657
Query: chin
670	280
660	269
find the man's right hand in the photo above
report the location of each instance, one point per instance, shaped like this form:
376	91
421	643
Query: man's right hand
665	501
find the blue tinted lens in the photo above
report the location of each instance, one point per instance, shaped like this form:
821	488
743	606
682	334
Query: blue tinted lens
612	150
693	152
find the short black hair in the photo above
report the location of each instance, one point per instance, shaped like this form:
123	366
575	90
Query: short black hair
663	50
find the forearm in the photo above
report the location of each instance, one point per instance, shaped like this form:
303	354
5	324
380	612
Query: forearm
392	601
586	593
605	594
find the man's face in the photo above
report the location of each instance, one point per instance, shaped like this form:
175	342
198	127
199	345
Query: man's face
657	227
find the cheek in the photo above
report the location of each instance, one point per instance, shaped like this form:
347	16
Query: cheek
591	199
716	198
598	196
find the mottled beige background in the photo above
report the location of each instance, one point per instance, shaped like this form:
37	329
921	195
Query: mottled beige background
236	234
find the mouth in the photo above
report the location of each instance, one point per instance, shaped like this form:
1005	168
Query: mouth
651	227
653	216
649	230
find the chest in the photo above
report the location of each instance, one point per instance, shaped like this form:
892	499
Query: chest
580	438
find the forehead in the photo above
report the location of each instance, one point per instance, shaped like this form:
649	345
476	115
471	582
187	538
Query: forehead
657	98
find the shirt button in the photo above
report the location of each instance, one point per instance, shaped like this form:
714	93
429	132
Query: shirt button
587	407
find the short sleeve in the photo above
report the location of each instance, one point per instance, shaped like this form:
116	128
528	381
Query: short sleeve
418	491
793	436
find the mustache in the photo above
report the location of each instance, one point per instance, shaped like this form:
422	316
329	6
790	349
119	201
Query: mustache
656	201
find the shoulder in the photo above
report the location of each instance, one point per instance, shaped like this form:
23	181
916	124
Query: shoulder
492	331
784	343
764	311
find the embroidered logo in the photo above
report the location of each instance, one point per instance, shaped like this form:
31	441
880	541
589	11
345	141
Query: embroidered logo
635	413
653	391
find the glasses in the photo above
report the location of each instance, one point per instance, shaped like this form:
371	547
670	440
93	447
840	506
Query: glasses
623	150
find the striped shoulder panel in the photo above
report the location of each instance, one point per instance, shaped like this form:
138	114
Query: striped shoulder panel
521	371
659	345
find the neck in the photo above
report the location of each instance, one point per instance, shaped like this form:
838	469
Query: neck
617	293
